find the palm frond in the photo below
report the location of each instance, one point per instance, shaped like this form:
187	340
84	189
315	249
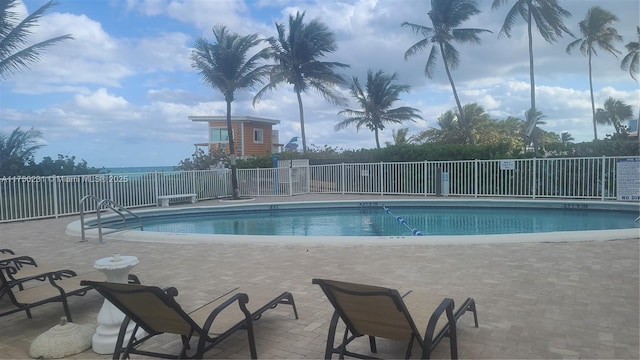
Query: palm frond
431	61
632	58
451	55
14	35
468	35
509	20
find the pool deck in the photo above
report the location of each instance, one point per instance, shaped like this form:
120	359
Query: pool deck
574	299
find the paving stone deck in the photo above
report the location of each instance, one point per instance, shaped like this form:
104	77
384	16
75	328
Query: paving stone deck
535	300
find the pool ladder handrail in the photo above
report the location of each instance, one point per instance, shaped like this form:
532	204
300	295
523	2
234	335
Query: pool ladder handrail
113	206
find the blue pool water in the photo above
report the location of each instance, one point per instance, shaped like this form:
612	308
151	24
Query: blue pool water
375	221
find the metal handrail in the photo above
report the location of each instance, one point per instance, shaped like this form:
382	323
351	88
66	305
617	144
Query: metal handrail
82	202
110	204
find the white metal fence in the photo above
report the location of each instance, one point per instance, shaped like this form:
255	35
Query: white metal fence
31	197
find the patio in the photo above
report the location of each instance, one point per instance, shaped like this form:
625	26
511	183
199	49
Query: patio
535	300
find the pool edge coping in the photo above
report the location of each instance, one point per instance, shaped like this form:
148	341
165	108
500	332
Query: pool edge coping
74	228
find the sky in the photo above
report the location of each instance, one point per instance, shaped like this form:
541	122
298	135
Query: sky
119	94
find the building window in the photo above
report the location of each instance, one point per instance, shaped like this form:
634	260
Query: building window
218	135
258	136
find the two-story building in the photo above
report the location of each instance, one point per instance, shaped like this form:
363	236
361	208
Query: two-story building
252	136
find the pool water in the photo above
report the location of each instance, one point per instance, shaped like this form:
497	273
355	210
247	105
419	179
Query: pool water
378	222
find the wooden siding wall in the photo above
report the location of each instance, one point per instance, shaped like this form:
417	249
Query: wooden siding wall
250	148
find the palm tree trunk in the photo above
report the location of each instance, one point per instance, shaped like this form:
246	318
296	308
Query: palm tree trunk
232	155
455	94
532	78
593	104
302	133
377	139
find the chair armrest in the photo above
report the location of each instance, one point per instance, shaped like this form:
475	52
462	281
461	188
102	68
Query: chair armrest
430	339
18	261
241	298
24	260
10	271
171	291
54	276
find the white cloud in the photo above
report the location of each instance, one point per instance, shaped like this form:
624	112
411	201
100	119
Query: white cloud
101	101
111	87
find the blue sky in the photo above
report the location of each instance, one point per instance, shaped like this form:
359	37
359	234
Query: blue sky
120	93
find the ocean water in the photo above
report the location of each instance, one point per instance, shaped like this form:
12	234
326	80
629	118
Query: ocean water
138	169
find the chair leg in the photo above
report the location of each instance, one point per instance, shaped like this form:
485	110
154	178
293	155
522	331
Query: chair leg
453	340
293	304
328	352
285	298
410	347
468	305
372	344
343	346
65	306
472	308
123	330
252	340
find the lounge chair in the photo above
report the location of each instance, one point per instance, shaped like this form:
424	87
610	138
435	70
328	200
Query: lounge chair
22	266
6	252
26	287
8	257
55	286
16	271
156	311
381	312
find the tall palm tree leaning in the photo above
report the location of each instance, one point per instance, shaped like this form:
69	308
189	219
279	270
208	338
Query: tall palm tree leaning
631	60
227	65
14	34
547	15
376	99
297	55
446	16
596	29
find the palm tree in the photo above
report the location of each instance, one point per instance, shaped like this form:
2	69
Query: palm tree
547	15
566	138
451	130
297	55
476	118
596	29
400	137
614	113
17	149
376	100
227	65
14	34
446	17
631	60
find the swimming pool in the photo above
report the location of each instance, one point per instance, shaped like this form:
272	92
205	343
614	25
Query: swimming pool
356	221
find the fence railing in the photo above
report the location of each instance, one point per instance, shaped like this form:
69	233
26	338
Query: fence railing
32	197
